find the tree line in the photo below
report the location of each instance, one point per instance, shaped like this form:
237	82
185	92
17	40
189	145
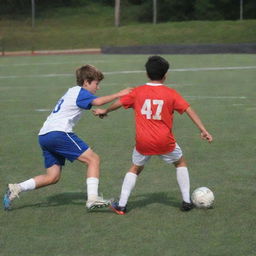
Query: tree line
167	10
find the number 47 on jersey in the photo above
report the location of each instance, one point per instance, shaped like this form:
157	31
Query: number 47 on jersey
147	109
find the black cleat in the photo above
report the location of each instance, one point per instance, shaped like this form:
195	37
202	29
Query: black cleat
118	209
185	207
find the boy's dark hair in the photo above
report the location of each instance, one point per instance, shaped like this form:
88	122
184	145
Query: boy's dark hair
89	73
156	67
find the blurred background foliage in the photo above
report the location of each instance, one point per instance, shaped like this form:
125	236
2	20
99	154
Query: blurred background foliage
141	10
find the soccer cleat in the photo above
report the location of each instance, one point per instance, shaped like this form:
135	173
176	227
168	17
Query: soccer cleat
98	203
185	207
11	193
7	201
120	210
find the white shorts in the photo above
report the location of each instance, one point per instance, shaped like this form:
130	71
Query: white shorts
172	157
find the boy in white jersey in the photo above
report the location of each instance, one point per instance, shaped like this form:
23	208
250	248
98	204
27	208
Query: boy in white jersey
58	142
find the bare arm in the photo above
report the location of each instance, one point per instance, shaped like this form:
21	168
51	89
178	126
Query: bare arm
117	104
103	112
106	99
197	121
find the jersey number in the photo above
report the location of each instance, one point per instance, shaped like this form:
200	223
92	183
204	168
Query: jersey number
57	107
147	109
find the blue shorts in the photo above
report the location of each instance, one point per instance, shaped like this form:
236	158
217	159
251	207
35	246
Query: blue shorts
58	146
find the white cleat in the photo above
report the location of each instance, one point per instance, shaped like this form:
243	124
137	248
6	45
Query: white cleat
14	189
99	202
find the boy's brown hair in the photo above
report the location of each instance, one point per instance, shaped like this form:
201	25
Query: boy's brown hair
89	73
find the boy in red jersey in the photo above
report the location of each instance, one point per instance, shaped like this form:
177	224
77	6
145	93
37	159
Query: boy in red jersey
154	105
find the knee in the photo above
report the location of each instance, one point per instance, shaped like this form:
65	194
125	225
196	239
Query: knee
53	179
94	159
180	163
136	169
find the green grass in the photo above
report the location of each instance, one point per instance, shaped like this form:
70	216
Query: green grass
93	27
53	220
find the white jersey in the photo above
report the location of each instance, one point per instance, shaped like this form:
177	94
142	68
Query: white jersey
68	110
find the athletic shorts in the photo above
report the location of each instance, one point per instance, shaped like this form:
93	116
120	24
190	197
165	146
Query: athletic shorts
58	146
172	157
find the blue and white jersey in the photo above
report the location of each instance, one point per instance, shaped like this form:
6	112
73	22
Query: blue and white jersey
68	110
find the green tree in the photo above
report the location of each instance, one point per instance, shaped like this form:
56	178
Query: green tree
206	10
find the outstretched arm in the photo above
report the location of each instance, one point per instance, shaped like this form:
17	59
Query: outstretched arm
106	99
103	112
195	118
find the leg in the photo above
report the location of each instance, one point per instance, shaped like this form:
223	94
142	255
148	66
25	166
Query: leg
127	187
52	176
136	169
92	160
184	183
179	162
183	179
129	183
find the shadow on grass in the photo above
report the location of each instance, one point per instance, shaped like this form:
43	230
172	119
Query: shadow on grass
67	198
74	198
79	198
143	200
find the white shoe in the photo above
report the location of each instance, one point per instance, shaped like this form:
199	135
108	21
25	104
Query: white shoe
14	189
98	203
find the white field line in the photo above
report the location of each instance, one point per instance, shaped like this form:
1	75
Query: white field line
133	72
216	97
214	68
50	63
42	110
35	76
186	69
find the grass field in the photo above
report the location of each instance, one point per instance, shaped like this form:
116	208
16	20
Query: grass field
51	35
54	221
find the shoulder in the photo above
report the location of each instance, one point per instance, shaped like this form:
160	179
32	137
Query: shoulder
139	88
73	91
85	93
74	88
170	90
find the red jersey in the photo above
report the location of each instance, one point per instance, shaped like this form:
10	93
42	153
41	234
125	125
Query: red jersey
154	106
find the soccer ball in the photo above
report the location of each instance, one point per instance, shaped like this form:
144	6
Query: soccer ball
203	197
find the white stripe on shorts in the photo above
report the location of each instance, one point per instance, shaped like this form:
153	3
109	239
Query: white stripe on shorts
74	142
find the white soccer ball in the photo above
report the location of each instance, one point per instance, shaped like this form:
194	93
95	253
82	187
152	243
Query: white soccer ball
202	197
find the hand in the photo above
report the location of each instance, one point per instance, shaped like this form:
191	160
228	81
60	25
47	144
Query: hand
206	136
101	113
125	91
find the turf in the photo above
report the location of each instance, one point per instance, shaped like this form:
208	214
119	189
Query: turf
54	221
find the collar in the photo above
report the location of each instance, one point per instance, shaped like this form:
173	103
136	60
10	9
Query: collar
152	84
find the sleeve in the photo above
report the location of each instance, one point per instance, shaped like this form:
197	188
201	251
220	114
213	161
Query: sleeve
128	99
180	104
84	99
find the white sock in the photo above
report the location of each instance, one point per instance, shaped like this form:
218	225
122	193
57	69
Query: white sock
127	187
27	185
184	183
92	188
